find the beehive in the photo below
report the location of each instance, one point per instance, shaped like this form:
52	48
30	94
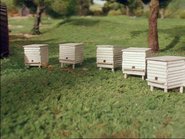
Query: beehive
35	54
134	61
71	53
109	56
4	31
166	72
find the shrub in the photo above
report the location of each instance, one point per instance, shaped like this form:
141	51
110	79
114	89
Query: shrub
146	13
138	11
98	12
114	12
182	15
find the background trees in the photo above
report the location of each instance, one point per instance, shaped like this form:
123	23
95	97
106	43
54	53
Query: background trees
54	8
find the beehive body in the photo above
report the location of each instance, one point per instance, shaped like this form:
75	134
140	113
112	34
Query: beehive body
35	54
71	53
109	56
166	72
134	61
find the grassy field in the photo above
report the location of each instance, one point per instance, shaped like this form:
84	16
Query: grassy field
37	103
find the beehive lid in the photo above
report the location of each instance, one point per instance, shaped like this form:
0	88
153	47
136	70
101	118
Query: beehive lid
136	49
35	45
166	58
72	44
109	46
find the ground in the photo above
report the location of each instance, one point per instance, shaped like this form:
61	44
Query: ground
86	102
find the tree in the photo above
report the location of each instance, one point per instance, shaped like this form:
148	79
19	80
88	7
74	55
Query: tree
130	4
163	5
153	32
60	7
81	2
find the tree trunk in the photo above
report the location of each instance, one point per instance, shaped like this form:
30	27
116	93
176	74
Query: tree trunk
153	33
127	10
80	8
162	13
35	30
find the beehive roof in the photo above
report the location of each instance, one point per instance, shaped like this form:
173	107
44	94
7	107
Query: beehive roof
109	46
136	49
72	44
36	45
166	58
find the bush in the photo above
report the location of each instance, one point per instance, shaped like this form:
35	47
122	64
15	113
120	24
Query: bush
98	12
146	13
138	11
182	15
114	12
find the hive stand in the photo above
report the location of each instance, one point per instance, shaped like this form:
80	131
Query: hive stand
134	61
71	53
166	72
109	56
35	54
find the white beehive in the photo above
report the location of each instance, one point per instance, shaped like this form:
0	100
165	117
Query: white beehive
35	54
109	56
166	72
71	53
134	61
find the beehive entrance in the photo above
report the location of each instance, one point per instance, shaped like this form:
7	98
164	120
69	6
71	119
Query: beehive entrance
104	60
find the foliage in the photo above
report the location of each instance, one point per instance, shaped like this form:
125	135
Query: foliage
182	15
138	12
37	103
11	8
133	5
114	12
164	3
98	12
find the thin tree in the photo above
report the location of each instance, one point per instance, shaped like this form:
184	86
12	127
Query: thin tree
163	5
41	5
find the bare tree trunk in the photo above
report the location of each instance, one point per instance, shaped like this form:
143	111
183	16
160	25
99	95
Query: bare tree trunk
35	30
80	8
162	13
127	10
153	33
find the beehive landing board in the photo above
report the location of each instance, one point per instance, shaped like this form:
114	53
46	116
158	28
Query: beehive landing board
134	61
109	56
166	72
71	53
35	54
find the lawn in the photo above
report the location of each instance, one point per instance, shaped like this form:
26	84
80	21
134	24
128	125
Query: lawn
37	103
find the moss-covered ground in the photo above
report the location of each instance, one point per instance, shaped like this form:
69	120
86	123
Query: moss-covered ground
86	102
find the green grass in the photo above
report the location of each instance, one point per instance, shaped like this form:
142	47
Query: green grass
37	103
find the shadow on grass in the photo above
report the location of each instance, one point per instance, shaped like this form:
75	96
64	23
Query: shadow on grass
174	42
175	32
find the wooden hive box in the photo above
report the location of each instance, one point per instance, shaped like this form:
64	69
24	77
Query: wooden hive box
109	56
166	72
5	49
134	61
71	53
35	54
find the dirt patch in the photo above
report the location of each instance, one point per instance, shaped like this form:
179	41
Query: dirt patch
15	26
21	35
